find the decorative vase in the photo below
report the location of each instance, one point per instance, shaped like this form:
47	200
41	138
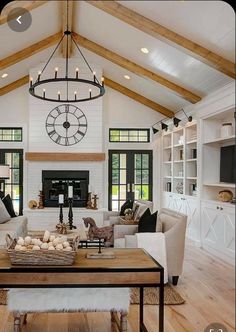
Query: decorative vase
226	129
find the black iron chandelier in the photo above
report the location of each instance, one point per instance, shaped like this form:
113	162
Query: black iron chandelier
35	91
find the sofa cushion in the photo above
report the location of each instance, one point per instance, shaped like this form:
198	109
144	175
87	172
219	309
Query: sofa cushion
14	227
127	205
167	222
7	201
147	222
158	224
4	215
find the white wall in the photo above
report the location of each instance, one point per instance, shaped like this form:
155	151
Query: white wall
115	110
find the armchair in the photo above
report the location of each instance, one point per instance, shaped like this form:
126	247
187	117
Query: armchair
173	227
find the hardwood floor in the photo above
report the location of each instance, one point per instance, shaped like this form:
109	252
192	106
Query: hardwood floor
207	285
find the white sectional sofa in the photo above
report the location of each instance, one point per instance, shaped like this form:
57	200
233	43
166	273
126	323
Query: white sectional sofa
15	227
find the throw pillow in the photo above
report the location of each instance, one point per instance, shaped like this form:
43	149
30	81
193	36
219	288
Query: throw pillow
127	205
7	201
4	215
147	222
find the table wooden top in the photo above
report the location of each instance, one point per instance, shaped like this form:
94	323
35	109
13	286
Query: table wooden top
125	260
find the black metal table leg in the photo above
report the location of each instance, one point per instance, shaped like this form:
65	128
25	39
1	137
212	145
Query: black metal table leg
161	303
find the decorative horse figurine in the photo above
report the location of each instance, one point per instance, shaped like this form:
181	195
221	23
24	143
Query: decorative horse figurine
95	232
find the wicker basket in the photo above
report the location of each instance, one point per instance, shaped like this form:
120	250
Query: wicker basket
40	257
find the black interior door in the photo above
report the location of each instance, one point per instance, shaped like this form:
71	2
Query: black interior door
14	185
130	176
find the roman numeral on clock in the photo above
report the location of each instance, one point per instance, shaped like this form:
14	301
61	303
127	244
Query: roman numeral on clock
58	139
80	132
51	133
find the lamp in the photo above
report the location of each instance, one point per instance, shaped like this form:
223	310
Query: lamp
60	78
4	174
164	126
154	130
190	118
176	121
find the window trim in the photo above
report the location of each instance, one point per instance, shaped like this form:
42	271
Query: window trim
147	130
12	128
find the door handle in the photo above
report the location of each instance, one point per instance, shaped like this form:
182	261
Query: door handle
128	187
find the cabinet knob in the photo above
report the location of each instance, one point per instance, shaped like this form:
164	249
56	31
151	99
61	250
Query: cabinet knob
221	208
217	207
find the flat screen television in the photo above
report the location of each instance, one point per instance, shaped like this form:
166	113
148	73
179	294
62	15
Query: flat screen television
228	164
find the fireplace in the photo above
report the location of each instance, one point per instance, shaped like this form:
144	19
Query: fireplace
57	182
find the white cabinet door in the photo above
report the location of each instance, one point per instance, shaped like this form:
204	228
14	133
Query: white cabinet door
218	228
192	211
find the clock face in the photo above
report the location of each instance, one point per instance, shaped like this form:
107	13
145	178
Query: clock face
66	124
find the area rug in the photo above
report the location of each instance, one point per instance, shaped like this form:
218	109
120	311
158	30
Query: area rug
151	296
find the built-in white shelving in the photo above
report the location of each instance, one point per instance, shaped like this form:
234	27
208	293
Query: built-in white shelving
224	140
220	184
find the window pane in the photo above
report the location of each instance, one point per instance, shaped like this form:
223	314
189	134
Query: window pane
15	192
138	161
16	175
145	161
137	176
115	161
122	160
16	160
137	191
129	135
123	192
115	192
115	206
145	176
11	134
145	192
123	176
115	176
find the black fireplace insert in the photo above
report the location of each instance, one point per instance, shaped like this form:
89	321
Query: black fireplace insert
57	182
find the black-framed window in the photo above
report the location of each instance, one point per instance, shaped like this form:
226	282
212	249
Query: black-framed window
130	135
10	134
14	185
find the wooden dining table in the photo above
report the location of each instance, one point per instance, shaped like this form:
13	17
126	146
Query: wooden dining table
129	268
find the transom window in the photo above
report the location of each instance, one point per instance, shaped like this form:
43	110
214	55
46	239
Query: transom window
10	134
129	135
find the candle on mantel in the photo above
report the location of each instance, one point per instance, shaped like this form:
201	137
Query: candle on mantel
70	192
61	199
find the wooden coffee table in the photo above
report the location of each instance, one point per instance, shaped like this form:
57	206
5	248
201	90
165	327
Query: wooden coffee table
130	268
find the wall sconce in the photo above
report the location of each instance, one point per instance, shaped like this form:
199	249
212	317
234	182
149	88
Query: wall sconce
154	130
176	121
164	126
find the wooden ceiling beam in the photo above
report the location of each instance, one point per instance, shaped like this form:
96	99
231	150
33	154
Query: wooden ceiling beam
28	5
67	25
29	51
14	85
139	98
158	31
135	68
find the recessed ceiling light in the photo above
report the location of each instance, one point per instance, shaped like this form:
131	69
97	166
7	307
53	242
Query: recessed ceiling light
127	77
144	50
4	75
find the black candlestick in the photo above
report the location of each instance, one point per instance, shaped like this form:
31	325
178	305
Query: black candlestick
61	213
70	214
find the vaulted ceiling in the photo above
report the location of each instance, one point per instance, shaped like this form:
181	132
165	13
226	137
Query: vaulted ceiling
191	46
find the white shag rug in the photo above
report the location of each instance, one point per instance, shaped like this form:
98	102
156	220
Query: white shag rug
68	299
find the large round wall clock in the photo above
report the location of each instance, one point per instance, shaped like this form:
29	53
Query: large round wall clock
66	125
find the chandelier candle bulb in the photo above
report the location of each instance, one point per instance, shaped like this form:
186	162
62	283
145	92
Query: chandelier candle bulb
94	76
56	71
44	91
31	81
77	72
39	74
75	95
90	93
70	192
102	79
59	95
61	199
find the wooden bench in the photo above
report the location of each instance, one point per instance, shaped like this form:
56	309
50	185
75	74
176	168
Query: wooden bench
31	300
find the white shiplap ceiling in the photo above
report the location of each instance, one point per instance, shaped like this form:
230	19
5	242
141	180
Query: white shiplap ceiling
209	23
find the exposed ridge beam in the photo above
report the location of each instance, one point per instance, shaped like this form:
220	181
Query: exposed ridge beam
14	85
66	25
29	51
28	5
139	98
158	31
135	68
